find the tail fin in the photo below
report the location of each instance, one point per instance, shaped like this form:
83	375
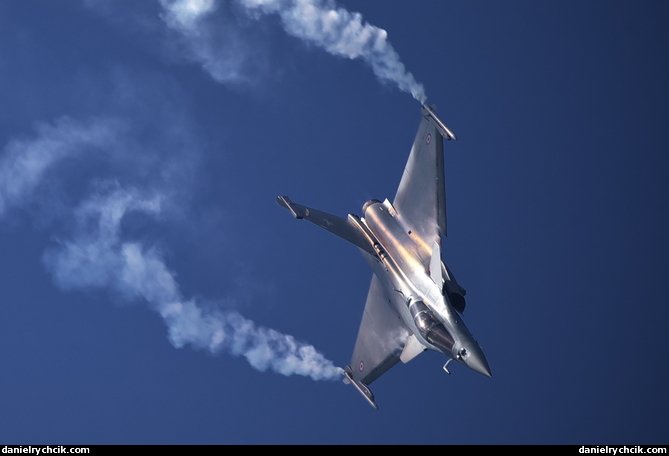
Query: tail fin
435	265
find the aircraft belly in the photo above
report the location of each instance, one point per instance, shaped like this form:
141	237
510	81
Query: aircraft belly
382	220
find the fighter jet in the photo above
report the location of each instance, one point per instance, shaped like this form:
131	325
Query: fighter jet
414	302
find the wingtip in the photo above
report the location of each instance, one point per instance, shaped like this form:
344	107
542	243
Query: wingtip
361	387
285	202
430	114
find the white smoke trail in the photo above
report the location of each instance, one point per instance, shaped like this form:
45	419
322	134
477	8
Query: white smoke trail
95	255
24	163
320	22
220	51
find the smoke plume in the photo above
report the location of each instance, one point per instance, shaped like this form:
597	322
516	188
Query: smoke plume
95	253
24	163
320	22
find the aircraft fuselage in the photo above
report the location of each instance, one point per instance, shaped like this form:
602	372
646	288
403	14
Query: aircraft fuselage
398	262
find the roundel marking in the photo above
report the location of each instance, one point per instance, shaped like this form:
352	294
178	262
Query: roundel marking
428	138
361	366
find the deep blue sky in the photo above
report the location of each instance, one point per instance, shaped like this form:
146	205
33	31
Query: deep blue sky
557	214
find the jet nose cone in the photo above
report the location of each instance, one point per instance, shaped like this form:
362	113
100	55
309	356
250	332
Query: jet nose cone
476	361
